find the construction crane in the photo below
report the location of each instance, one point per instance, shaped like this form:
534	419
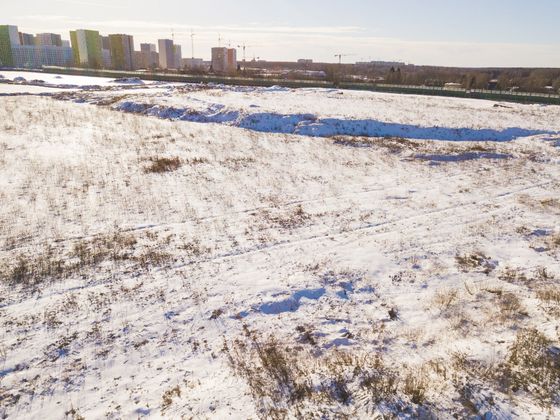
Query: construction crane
340	57
244	47
192	43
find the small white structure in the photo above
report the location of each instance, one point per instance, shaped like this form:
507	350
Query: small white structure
193	63
453	86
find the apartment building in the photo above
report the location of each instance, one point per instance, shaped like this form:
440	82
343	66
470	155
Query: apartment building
87	48
26	39
149	57
22	51
122	51
166	54
47	39
177	56
231	60
224	60
33	56
9	38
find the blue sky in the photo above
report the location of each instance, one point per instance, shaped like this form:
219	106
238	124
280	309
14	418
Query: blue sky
439	32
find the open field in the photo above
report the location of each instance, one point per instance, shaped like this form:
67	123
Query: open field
213	252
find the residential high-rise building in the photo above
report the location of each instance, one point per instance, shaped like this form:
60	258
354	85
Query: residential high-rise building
219	59
122	51
138	58
231	59
177	56
34	56
147	48
47	39
166	54
106	52
26	39
149	58
17	50
13	34
224	60
87	47
9	38
105	43
107	59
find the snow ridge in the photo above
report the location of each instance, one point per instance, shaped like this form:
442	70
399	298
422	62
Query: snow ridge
311	125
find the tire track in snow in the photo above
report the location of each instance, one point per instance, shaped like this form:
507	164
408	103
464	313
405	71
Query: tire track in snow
368	229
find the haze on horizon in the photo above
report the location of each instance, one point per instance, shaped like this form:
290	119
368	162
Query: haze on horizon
460	33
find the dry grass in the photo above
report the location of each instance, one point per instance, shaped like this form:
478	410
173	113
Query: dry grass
514	276
296	373
74	414
445	299
510	307
474	261
168	396
551	203
530	368
288	381
553	242
194	248
533	366
549	294
51	264
154	258
416	386
391	144
294	218
31	269
550	299
160	165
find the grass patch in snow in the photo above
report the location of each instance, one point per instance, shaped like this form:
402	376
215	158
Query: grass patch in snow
554	242
549	294
32	268
392	144
290	381
475	261
160	165
533	366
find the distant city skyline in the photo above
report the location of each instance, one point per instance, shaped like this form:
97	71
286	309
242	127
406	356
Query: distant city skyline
461	33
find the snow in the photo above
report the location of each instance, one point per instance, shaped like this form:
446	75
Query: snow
328	112
57	80
270	226
17	89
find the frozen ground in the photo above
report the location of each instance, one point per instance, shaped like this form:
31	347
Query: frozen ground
310	112
161	268
327	112
61	80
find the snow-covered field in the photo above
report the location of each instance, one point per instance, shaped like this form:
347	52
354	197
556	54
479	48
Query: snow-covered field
328	112
220	262
61	80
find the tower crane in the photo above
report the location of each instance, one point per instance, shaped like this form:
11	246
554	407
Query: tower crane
339	56
192	43
244	47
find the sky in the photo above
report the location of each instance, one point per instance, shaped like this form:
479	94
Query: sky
466	33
